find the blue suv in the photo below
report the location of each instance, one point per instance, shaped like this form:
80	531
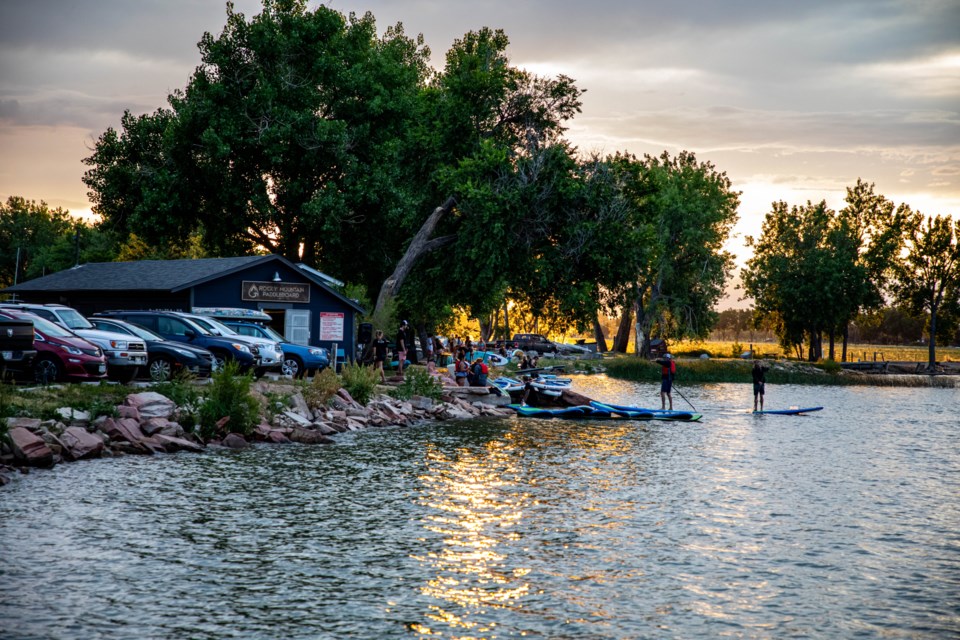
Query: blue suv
298	359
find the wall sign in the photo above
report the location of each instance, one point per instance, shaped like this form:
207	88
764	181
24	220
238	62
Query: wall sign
275	291
331	326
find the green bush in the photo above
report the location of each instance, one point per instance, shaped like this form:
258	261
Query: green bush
359	381
830	366
417	382
736	350
229	395
323	387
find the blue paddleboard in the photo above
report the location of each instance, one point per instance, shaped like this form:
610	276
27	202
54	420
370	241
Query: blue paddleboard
787	412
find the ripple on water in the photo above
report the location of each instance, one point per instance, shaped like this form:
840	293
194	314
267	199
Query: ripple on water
838	524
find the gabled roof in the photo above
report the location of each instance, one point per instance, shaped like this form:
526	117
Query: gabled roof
157	275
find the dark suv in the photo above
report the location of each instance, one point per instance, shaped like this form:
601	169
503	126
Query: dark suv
533	342
172	326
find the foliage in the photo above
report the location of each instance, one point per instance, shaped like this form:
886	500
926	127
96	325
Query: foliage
813	269
47	240
736	349
229	395
359	381
417	382
928	277
690	209
323	387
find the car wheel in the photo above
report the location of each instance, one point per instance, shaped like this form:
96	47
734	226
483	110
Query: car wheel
47	370
161	369
292	366
219	359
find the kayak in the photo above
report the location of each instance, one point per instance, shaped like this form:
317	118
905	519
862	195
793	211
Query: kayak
600	411
507	384
787	412
642	413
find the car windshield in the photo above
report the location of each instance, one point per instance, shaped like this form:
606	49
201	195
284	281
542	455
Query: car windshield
130	329
273	335
73	319
222	328
212	326
46	327
196	326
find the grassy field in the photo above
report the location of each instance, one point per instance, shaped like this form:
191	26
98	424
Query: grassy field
718	349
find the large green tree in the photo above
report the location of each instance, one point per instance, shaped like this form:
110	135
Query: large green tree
689	208
928	277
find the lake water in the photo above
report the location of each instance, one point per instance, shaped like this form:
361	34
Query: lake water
840	524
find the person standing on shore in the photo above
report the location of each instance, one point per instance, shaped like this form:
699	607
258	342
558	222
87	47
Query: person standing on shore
401	347
759	374
380	354
668	369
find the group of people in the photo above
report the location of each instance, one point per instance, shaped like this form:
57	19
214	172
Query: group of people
668	370
468	370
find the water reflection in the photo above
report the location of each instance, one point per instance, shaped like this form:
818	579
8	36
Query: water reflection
842	524
474	507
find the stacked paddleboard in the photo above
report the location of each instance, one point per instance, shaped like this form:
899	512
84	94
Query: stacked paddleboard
600	411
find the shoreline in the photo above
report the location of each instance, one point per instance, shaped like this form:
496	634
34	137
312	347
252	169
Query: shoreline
149	423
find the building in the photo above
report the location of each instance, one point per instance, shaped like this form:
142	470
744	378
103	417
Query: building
302	304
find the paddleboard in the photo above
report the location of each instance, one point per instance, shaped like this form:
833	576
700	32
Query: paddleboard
787	412
643	413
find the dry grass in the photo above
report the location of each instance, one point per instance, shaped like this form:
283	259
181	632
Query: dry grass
855	352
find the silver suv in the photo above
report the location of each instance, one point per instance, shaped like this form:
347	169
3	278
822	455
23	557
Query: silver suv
125	354
270	352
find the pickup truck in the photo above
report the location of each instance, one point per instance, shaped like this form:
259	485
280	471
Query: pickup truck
532	342
16	345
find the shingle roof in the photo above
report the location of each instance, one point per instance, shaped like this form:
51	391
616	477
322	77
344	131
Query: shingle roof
143	275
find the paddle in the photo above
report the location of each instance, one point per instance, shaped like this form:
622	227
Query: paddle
684	397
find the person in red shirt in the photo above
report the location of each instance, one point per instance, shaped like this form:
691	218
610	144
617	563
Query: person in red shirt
668	369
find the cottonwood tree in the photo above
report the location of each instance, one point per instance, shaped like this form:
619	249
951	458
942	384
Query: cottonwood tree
928	277
689	209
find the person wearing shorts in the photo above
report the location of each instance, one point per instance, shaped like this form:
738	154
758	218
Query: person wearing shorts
380	354
759	374
668	369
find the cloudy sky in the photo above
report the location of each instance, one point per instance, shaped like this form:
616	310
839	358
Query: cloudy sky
794	100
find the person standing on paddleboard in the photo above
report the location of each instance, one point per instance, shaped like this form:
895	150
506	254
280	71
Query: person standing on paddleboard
759	374
668	369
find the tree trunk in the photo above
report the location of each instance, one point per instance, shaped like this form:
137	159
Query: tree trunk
832	341
932	348
846	339
420	245
623	331
506	319
598	336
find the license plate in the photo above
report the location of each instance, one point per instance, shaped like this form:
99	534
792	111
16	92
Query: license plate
7	355
103	368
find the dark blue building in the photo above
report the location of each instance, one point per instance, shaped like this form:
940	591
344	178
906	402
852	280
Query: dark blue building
302	304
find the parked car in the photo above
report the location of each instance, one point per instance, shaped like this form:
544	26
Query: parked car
16	346
61	354
298	359
533	342
124	355
271	355
165	358
172	326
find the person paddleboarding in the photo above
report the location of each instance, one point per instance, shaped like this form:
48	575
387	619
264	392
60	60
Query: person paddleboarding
759	373
668	369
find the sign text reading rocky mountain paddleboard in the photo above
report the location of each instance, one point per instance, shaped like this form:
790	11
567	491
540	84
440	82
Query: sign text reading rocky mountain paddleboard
276	291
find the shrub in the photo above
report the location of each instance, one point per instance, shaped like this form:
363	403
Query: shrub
229	396
359	381
323	387
417	382
736	350
830	366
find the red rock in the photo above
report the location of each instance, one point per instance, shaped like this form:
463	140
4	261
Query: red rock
126	430
81	444
125	411
309	436
173	444
235	441
277	437
29	448
151	404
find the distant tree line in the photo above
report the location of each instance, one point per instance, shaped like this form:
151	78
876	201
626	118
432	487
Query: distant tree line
814	270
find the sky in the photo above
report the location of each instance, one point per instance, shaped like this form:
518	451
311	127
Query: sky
793	100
